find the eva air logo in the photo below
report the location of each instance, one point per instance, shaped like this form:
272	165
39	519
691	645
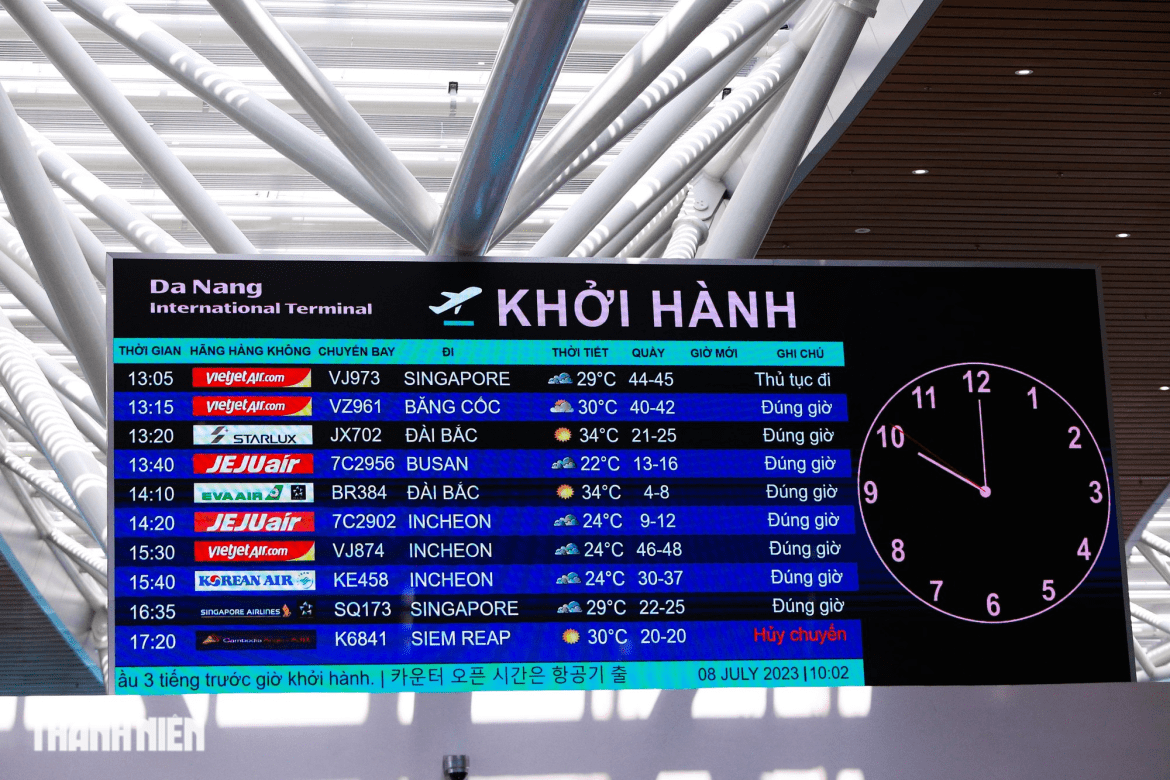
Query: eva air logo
253	492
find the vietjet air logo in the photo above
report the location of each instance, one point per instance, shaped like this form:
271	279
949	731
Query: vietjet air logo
299	463
253	522
455	301
252	435
253	492
255	580
251	377
269	552
252	406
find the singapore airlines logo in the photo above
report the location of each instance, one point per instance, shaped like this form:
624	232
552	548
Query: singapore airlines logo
455	301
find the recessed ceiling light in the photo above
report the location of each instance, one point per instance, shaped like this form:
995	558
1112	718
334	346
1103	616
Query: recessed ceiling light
919	171
1123	235
861	230
1164	387
1024	72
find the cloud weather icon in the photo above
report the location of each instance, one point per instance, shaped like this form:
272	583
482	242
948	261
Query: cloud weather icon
565	521
571	607
565	463
561	379
561	407
572	578
568	549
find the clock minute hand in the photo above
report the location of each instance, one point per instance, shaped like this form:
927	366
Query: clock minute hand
983	490
982	445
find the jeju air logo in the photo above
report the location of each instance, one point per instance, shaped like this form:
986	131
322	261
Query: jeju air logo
253	522
252	406
248	463
251	377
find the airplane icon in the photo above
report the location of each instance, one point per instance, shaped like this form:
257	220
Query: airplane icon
456	299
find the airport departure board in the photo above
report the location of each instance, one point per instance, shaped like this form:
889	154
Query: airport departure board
426	475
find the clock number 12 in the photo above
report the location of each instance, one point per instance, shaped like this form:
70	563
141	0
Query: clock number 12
983	386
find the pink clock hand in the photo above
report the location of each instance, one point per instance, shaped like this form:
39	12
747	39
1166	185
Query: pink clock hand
983	491
982	448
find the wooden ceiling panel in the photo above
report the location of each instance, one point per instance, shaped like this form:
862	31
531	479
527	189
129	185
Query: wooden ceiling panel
1047	167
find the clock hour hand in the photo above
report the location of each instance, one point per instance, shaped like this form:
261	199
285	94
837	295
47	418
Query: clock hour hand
982	447
983	490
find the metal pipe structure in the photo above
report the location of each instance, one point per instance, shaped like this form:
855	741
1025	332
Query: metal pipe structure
761	190
527	65
66	382
99	199
9	415
241	104
12	246
329	108
658	227
32	295
85	424
43	484
92	248
686	157
108	102
637	158
689	231
587	127
40	218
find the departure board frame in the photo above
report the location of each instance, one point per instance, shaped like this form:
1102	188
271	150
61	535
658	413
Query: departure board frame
787	500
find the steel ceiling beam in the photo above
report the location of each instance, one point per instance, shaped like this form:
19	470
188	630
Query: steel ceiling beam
333	114
582	135
518	88
40	218
99	198
760	192
236	101
639	156
131	129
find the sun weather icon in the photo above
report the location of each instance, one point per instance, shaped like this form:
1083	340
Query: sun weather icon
571	636
562	434
565	491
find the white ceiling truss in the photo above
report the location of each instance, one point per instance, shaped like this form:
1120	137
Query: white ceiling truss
668	128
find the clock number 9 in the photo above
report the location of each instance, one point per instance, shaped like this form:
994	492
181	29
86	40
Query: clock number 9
897	436
1097	496
870	492
898	550
993	604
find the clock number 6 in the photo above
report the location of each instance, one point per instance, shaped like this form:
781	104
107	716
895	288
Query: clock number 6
993	604
983	386
1097	496
870	492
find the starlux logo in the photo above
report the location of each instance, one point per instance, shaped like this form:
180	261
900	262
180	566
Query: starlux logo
252	406
298	463
255	580
252	492
253	435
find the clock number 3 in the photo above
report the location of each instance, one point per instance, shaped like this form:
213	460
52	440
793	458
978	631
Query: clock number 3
1097	496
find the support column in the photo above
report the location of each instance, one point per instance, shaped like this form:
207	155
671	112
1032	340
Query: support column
332	113
40	218
108	102
761	190
527	65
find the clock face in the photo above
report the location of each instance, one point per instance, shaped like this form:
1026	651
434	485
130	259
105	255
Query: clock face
984	492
